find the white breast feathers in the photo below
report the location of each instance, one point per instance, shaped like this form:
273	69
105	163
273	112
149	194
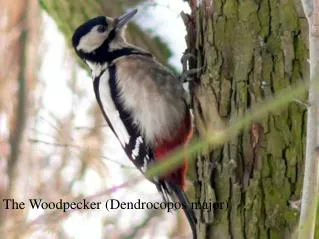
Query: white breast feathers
153	95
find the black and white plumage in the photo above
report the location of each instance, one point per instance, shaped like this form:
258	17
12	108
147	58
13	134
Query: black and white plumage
143	102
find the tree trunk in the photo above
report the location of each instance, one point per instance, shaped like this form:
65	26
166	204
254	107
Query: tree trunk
249	51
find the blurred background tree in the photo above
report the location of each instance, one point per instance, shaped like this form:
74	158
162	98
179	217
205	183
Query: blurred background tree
20	24
50	155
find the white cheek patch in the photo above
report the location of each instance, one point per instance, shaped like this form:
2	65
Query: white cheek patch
91	41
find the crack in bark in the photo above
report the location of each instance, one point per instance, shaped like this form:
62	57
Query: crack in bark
230	210
228	57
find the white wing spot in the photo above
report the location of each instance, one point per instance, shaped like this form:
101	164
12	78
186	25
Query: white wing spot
144	167
136	149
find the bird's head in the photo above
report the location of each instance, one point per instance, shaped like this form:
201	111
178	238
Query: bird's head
94	39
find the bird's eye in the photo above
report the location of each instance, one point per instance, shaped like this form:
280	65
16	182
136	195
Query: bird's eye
101	29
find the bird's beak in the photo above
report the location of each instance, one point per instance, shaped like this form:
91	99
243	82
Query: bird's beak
122	20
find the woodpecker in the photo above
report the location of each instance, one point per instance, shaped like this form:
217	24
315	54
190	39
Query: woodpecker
143	103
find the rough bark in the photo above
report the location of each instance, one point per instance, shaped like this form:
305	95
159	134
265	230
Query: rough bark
250	50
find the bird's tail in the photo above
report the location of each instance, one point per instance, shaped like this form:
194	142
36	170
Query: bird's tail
189	212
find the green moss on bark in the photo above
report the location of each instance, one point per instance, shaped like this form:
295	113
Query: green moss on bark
251	50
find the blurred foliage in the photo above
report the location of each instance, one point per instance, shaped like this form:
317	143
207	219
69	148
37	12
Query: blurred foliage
45	154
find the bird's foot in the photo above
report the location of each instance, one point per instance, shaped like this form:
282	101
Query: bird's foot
187	72
186	76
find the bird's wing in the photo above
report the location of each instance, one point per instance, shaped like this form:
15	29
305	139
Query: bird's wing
119	120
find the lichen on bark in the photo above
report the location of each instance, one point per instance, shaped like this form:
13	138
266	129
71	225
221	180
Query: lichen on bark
250	50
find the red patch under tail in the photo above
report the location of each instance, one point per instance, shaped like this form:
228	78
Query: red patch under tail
178	176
